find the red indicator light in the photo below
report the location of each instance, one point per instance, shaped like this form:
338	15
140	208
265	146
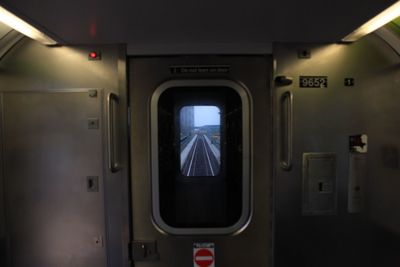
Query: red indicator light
94	55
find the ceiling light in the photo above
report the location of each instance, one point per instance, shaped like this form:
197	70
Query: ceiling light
23	27
375	23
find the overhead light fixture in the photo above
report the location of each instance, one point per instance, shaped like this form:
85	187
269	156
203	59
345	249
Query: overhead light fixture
23	27
375	23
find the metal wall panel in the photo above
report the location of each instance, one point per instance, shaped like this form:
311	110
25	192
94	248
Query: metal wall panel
319	184
50	148
3	235
34	67
323	121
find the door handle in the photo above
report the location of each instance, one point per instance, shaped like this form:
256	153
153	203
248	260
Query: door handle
112	102
286	131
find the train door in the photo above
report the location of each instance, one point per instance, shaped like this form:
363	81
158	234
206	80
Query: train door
201	167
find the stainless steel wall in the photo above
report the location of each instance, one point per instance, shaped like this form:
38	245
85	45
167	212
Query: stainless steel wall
323	120
32	67
3	251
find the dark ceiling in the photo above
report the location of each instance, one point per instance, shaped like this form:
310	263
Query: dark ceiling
179	24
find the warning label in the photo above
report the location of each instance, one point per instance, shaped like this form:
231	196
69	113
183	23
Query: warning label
203	255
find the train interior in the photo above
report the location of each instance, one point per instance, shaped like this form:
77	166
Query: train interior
199	133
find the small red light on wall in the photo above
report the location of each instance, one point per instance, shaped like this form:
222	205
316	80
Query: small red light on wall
94	55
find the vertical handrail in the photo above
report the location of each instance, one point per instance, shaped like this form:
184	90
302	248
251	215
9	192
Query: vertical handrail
113	164
286	146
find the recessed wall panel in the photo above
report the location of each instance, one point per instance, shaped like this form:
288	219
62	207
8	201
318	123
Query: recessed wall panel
319	183
50	149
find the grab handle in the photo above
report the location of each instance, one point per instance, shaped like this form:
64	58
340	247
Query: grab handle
286	146
113	164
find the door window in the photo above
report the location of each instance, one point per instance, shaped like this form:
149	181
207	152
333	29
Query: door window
200	157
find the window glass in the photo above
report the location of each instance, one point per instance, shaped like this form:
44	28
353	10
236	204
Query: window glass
200	148
200	136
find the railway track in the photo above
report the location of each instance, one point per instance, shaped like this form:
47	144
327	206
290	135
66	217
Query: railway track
201	161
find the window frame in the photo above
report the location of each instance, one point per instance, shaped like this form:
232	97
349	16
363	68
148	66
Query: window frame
246	215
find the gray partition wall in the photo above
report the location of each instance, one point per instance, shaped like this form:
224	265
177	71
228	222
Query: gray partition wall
61	205
3	241
360	98
53	178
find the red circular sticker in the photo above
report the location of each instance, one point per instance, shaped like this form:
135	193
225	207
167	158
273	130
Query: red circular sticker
204	257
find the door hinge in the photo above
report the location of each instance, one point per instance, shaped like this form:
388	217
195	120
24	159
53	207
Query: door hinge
143	251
